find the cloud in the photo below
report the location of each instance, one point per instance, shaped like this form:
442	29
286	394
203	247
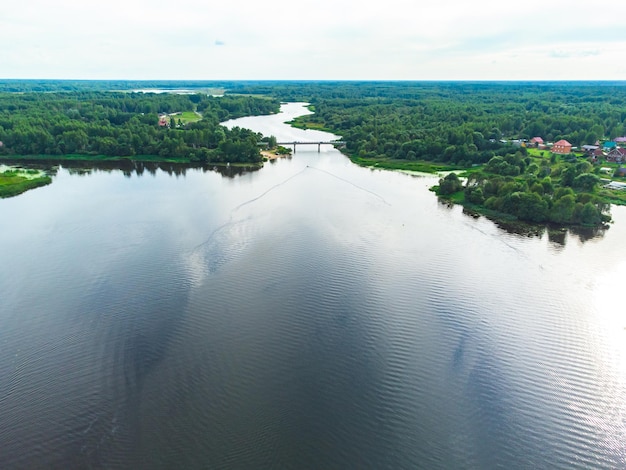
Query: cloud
321	39
566	54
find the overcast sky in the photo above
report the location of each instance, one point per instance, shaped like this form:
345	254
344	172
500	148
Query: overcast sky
322	39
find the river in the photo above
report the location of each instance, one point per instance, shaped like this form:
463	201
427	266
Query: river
312	314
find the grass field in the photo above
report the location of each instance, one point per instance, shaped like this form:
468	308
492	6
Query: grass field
187	116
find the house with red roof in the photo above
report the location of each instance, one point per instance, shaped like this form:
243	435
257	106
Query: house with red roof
598	153
562	147
536	141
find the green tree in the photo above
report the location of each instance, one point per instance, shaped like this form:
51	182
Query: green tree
450	184
567	177
531	207
563	209
586	182
590	215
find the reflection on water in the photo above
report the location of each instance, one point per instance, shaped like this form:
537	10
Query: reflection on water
556	234
131	167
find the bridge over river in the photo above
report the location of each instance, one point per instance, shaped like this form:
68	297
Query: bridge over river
318	143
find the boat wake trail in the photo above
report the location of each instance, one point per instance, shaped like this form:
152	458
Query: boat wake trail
351	184
278	185
219	229
231	223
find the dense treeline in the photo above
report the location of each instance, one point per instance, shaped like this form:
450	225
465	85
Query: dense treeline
463	123
459	123
116	124
450	122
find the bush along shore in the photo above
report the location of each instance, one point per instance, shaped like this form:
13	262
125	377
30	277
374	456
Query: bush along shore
560	190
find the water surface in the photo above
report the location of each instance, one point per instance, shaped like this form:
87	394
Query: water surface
313	314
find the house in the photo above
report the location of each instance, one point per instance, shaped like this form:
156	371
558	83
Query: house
620	140
162	121
597	154
608	145
562	147
535	142
590	148
618	155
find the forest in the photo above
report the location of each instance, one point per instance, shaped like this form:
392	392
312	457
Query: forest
458	123
92	124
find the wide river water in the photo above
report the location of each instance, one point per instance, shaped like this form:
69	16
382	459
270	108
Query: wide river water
312	314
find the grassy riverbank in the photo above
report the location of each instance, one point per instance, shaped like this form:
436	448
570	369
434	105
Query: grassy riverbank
18	181
404	165
308	122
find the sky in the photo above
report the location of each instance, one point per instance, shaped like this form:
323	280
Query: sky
313	40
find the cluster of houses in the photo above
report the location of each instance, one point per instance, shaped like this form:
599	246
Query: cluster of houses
609	151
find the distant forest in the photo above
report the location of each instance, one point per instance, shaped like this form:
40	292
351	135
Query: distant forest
460	123
120	124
